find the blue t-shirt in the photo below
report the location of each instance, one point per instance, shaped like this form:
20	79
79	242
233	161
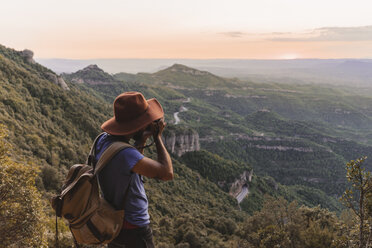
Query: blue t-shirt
114	179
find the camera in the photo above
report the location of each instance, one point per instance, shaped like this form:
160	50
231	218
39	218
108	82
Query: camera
138	134
157	121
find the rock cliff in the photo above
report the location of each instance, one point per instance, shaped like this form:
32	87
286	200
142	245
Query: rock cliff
239	189
28	55
179	142
58	80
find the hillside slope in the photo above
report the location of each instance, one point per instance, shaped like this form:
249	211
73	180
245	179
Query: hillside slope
228	132
53	127
298	134
45	120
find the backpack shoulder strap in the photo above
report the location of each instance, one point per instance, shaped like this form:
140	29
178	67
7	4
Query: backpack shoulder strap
91	156
109	153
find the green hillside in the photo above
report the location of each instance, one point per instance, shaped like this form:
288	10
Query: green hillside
224	172
215	168
179	76
52	126
298	134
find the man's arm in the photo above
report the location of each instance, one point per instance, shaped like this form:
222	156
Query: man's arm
162	168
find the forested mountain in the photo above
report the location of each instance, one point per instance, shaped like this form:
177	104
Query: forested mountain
54	128
298	134
44	120
286	141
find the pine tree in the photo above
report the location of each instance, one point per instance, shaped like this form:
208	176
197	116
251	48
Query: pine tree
358	197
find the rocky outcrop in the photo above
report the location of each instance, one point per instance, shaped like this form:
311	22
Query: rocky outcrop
92	67
281	148
58	80
62	83
187	70
28	55
92	75
239	189
243	136
179	142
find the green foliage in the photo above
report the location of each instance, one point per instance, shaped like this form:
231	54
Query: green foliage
358	197
22	219
52	178
290	162
53	125
191	210
283	224
213	167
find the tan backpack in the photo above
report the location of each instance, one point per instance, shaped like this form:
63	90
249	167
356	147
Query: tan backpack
91	218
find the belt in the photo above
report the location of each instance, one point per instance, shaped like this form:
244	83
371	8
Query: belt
127	225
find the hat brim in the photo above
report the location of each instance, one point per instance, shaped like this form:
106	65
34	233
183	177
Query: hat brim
153	113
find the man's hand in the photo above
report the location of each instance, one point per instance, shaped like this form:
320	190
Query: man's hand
158	128
162	167
142	135
154	129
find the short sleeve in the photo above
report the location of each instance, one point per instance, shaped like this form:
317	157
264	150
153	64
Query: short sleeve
131	156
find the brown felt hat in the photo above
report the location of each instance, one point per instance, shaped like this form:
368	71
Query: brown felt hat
132	112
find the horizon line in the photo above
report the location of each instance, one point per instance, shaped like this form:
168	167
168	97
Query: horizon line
346	58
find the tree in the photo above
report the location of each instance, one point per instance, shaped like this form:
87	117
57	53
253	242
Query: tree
22	220
358	198
283	224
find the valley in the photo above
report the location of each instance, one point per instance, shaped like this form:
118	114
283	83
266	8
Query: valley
295	133
233	142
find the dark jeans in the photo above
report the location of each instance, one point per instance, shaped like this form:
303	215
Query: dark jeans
133	238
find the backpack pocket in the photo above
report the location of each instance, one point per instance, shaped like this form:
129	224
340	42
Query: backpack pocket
101	227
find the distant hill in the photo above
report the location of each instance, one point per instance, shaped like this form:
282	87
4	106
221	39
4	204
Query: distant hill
271	126
182	75
91	74
351	72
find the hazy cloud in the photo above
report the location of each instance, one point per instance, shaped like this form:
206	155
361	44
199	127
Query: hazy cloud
328	34
319	34
233	34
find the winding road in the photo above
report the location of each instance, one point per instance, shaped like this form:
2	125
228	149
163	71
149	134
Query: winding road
182	109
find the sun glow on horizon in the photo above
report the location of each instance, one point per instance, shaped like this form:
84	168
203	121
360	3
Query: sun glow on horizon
289	56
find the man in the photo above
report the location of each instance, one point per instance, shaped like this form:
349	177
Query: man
121	179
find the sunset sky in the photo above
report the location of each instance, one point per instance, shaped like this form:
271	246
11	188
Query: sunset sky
259	29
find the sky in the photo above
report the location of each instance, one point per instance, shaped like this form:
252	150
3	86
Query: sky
197	29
